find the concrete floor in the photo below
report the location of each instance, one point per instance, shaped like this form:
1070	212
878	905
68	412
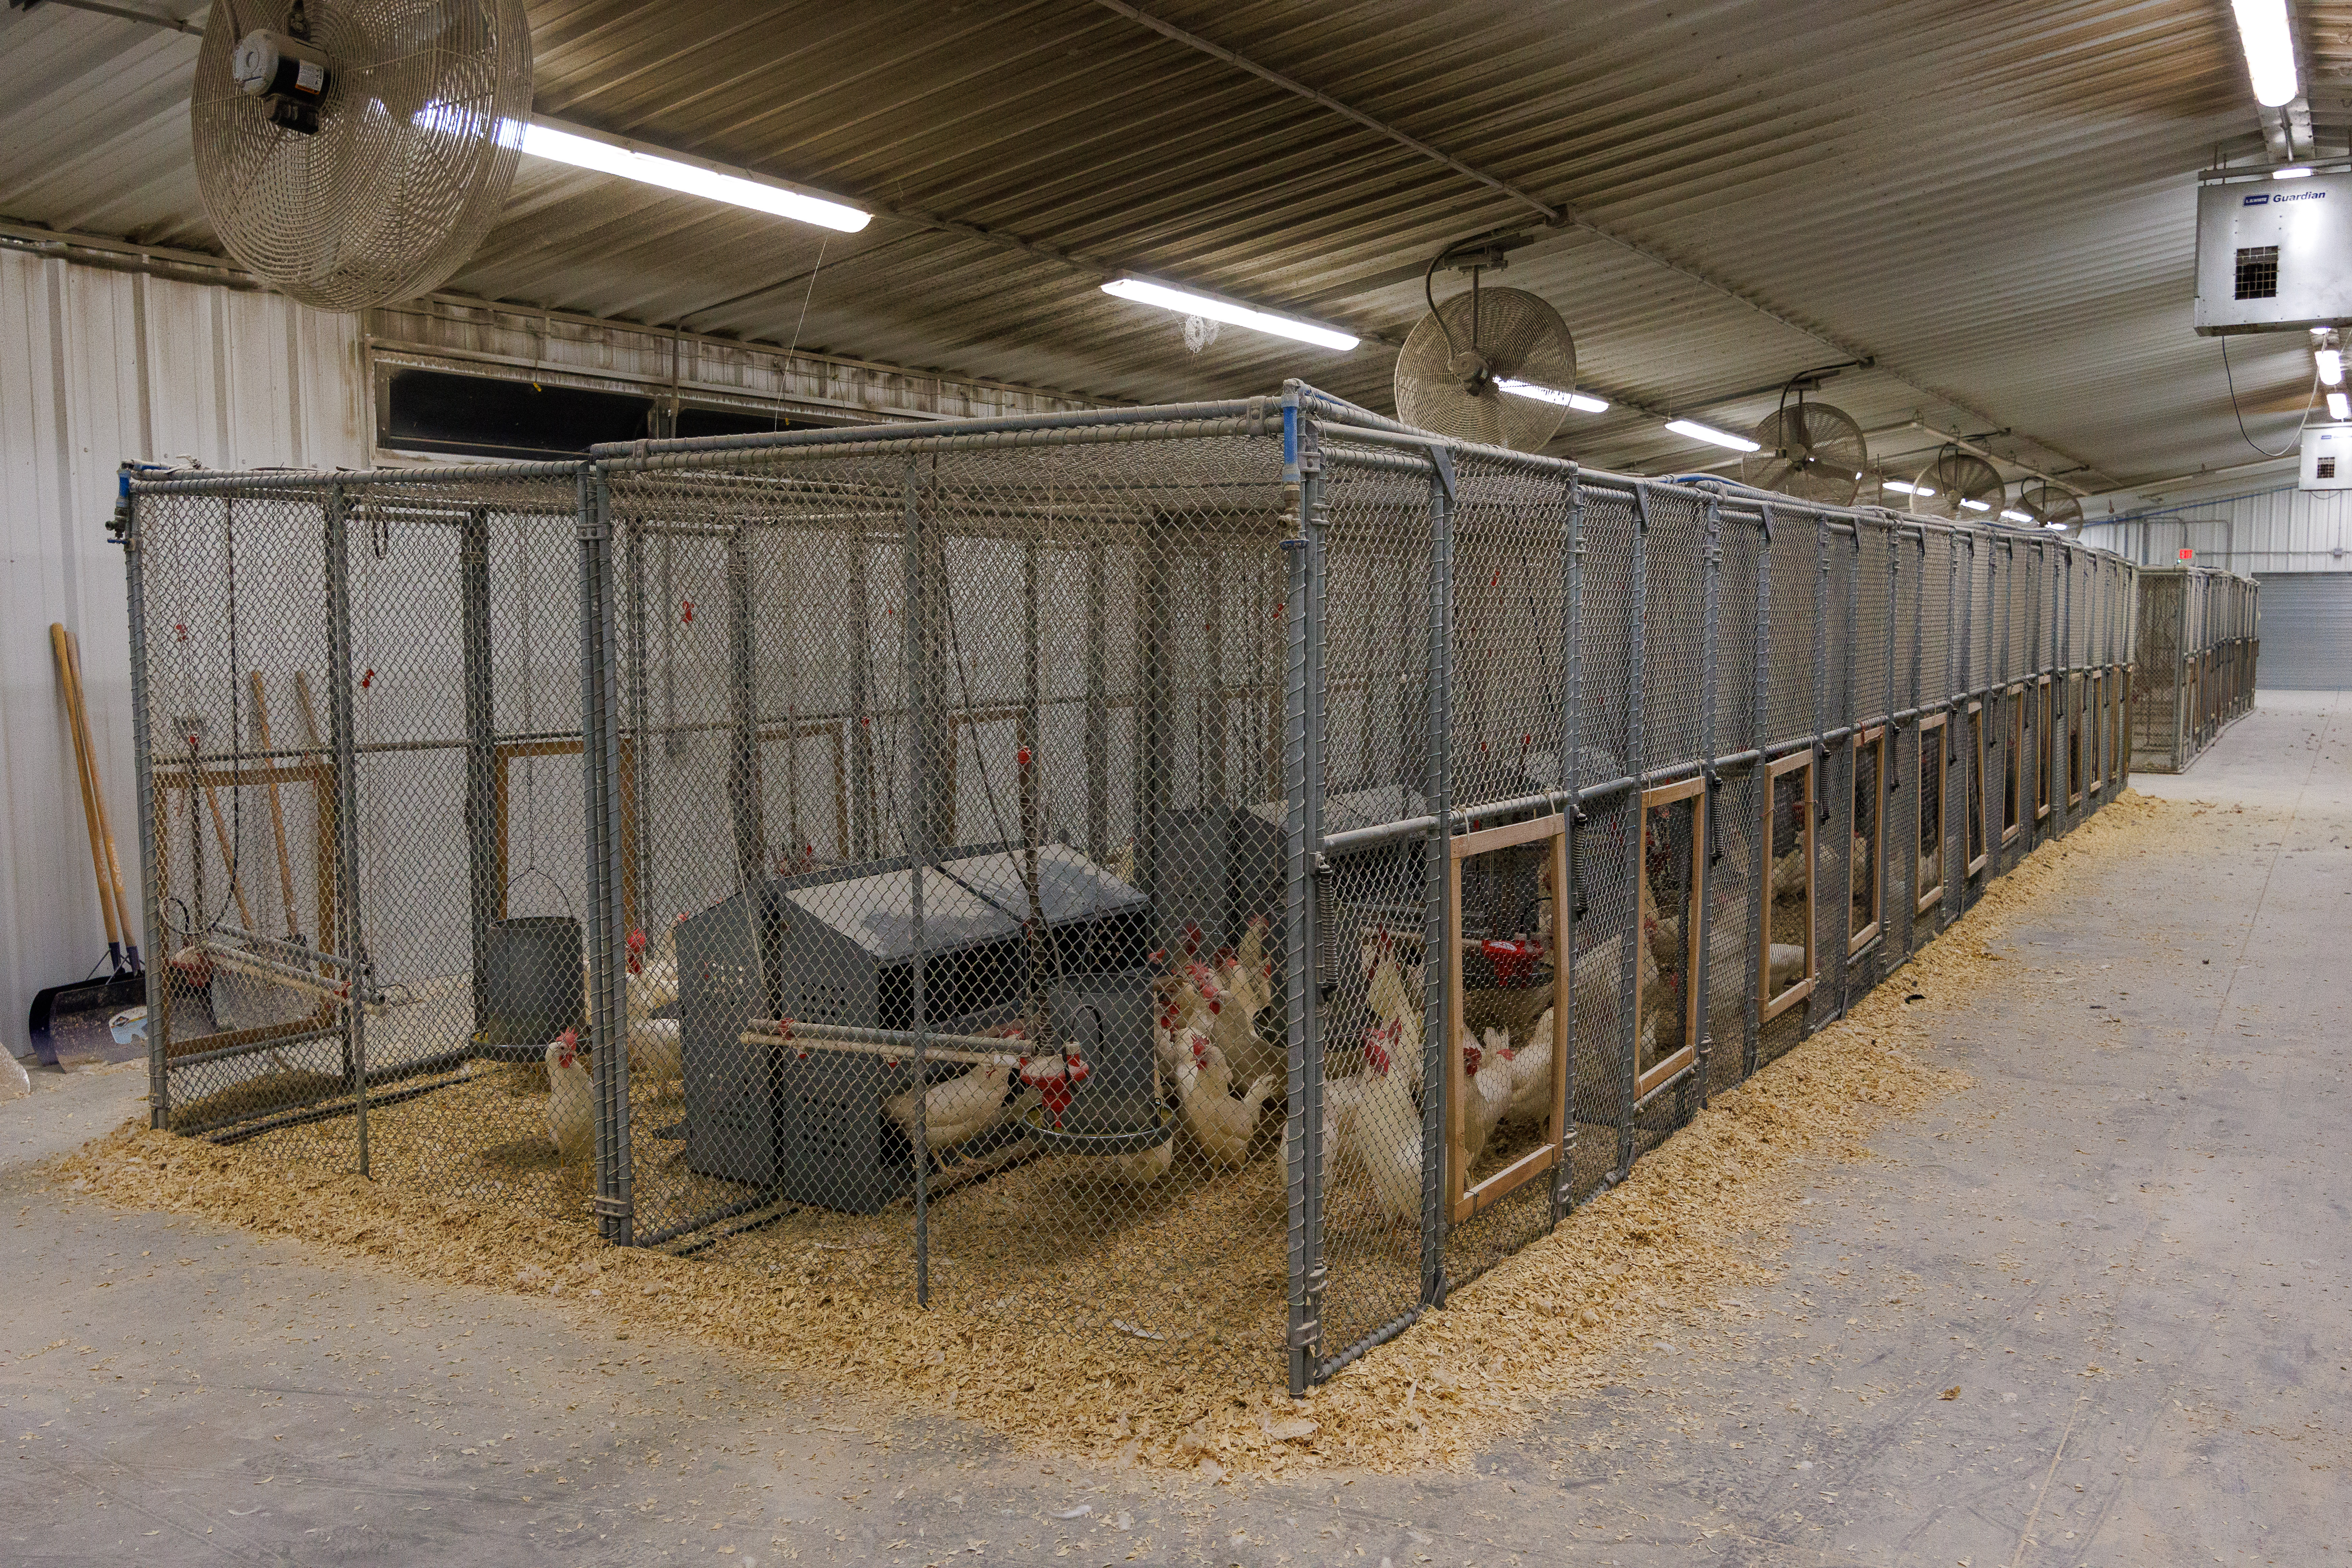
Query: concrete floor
2125	1247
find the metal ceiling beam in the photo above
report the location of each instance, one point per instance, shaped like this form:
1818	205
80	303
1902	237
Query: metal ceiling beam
1561	217
1218	51
192	26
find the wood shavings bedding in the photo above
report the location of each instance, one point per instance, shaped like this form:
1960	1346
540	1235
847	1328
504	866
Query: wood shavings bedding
1051	1358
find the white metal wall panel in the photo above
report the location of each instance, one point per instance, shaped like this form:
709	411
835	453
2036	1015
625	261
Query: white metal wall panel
96	367
2254	534
2306	631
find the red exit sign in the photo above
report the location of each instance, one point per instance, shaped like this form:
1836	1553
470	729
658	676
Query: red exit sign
2189	555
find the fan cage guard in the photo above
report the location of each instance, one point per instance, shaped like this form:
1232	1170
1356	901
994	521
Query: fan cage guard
418	139
1520	337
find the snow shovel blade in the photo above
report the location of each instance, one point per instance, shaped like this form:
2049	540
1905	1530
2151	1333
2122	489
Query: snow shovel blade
70	1024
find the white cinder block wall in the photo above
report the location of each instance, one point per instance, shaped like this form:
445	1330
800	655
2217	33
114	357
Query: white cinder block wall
96	367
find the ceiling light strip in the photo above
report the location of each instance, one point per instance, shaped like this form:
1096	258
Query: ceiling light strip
1187	302
2269	41
582	148
1695	431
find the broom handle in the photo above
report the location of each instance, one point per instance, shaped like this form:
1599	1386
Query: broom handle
229	855
73	721
277	810
105	824
309	714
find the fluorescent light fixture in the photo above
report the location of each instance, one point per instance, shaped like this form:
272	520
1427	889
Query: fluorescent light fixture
2292	171
1576	400
1710	435
586	149
2060	527
1976	505
2339	408
1185	302
1906	486
2270	50
2011	514
2331	365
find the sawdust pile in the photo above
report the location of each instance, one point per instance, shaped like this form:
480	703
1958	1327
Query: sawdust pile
1699	1222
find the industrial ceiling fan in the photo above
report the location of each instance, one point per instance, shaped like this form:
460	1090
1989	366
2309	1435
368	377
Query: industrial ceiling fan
2049	506
1958	485
1815	451
1490	365
354	152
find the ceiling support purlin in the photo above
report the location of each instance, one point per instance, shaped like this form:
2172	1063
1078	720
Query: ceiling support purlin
1097	270
1561	217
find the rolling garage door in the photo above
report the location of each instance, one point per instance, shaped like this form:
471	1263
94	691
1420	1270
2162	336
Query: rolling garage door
2306	631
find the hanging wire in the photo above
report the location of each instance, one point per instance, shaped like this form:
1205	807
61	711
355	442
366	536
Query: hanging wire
2308	399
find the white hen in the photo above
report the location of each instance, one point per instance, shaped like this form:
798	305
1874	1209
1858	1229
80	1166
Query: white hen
572	1098
1788	874
656	1056
1232	1029
953	1112
1384	1132
1222	1125
1596	974
1489	1071
1531	1073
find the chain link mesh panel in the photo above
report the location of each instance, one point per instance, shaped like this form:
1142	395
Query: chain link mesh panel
2188	622
362	704
1023	868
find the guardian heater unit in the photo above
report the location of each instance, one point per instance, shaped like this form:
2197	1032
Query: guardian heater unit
2273	255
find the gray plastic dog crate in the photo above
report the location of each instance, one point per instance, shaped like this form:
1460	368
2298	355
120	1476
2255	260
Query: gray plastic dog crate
809	1125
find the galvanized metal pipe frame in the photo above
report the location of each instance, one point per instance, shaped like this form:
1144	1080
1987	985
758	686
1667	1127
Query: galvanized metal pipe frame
600	713
1320	436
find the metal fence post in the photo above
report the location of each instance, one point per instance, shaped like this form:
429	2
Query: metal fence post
1302	788
135	583
915	691
1965	544
600	748
1817	1004
2059	749
1437	962
1629	1029
1892	780
1759	733
1853	753
1571	780
361	975
481	756
1710	798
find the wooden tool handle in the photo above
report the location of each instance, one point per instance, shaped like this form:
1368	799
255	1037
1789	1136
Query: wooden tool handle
98	793
309	714
60	646
276	808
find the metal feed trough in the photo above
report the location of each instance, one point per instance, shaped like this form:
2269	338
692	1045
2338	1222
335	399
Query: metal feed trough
1212	877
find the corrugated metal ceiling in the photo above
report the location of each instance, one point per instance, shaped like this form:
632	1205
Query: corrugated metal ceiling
1994	197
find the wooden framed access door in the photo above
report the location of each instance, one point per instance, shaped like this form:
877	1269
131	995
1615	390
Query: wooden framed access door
1666	1001
1935	744
2043	742
1787	893
1979	802
2012	783
505	753
1866	857
1500	958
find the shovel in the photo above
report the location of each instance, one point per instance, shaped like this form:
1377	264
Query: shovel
70	1024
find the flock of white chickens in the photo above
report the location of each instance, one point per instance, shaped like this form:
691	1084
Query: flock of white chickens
656	1059
1225	1072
